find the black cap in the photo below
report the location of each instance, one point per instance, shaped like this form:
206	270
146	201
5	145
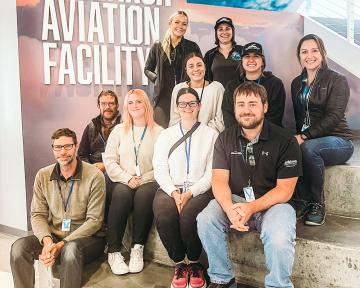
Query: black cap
224	20
252	47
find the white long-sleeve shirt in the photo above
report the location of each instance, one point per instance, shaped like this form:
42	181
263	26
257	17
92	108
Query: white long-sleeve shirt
210	112
119	155
170	173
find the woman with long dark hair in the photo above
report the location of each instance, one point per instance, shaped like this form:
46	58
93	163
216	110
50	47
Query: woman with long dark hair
210	94
320	96
222	61
165	65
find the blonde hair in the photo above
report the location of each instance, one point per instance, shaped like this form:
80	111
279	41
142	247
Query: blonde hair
149	114
166	43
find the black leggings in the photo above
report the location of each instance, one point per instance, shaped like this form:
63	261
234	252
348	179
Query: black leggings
177	231
123	201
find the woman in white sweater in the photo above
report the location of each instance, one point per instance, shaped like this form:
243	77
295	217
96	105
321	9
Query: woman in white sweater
128	162
210	94
184	177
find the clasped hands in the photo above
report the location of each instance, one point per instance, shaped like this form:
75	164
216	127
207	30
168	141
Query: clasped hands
239	215
135	182
50	251
181	198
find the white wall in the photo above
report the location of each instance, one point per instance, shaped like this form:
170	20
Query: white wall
12	176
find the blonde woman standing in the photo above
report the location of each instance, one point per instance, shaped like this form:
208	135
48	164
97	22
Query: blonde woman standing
128	162
165	65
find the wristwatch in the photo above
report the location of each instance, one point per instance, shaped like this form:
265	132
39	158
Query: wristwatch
303	137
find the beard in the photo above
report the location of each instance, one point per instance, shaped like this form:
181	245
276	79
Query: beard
107	116
252	124
66	162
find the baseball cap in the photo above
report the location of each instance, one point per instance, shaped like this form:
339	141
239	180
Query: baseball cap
252	47
224	20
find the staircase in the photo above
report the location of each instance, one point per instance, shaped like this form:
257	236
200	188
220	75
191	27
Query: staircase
326	256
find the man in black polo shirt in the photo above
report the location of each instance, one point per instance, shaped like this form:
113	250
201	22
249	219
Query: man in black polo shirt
255	169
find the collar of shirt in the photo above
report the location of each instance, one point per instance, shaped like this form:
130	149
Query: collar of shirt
56	175
264	134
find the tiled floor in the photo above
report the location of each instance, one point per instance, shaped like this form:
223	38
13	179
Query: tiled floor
97	275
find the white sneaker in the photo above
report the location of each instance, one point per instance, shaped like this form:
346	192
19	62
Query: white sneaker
136	263
117	263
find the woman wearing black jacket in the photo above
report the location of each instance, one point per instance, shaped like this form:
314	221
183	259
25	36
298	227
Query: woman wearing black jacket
165	65
252	69
320	97
222	61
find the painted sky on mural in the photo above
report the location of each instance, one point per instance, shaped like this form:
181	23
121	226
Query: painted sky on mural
271	5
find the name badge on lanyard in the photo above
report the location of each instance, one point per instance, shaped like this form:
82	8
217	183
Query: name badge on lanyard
66	222
186	183
249	193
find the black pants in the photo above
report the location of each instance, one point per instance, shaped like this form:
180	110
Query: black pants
177	231
74	255
123	201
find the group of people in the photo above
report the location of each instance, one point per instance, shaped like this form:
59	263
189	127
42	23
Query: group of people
173	162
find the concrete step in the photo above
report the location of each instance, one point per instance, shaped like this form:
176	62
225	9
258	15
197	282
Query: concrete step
342	184
326	256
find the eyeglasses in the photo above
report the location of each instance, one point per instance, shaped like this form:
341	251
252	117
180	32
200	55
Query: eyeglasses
191	104
105	104
59	147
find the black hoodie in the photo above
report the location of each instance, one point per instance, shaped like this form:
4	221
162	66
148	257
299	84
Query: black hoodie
276	98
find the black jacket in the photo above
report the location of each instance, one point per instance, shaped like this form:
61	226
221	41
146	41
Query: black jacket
93	143
154	64
276	99
327	104
209	59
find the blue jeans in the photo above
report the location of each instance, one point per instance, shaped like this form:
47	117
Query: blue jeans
277	227
318	153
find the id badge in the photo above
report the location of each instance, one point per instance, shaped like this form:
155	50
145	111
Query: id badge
185	186
66	223
304	127
249	194
137	170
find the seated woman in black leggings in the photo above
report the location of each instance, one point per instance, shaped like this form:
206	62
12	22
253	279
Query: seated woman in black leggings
185	188
128	162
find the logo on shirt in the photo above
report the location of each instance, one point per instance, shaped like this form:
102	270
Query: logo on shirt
266	153
290	163
235	56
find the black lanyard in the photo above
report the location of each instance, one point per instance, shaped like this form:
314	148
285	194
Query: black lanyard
202	90
250	168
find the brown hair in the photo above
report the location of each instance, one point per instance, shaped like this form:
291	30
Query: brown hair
319	42
107	93
248	88
64	132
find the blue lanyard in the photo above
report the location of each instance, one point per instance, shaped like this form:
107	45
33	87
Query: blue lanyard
69	195
102	139
136	151
187	151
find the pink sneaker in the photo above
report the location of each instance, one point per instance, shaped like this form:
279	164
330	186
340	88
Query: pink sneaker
180	276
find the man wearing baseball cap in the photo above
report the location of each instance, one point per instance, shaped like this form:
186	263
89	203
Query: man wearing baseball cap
252	65
222	61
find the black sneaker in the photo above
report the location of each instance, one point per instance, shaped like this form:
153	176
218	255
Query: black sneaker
316	215
230	284
301	208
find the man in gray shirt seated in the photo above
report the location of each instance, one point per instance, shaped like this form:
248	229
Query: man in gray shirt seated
67	212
